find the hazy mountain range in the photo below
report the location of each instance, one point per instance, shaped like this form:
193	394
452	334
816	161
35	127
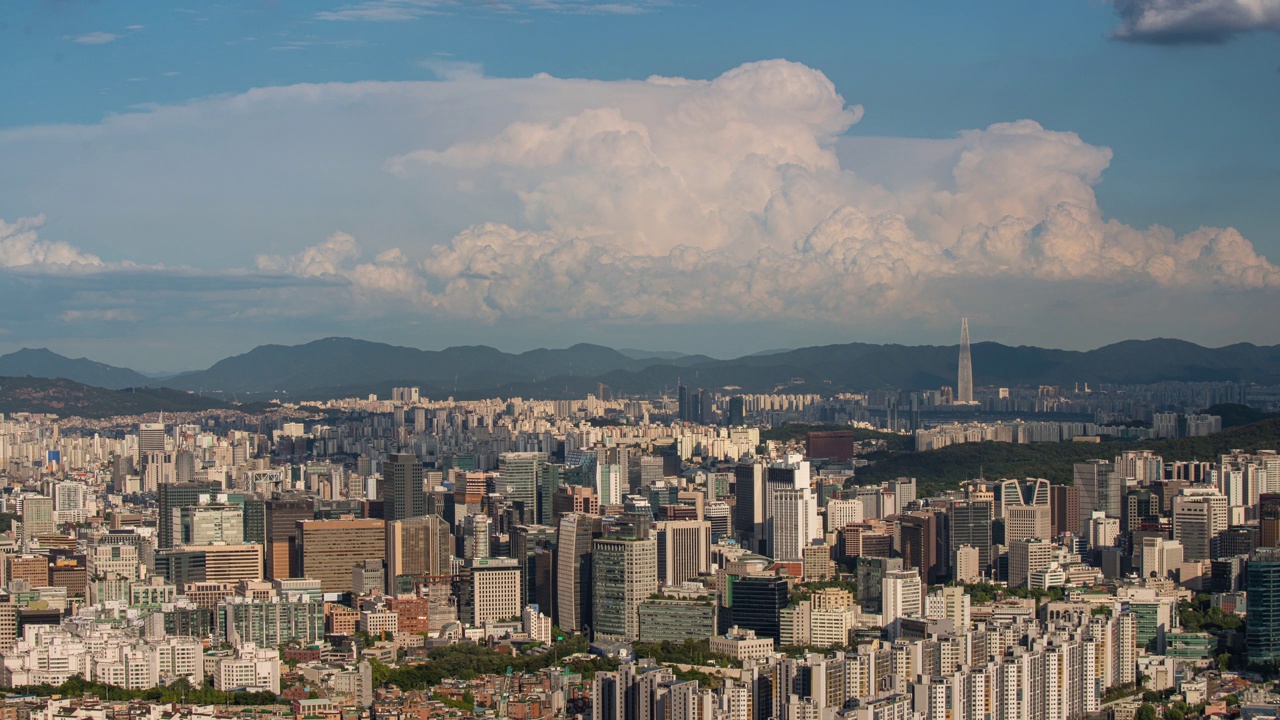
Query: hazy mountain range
335	367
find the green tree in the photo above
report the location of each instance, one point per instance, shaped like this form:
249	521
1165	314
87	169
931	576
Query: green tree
1146	712
1173	713
381	672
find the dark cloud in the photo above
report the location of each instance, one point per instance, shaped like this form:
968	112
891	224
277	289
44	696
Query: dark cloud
1193	22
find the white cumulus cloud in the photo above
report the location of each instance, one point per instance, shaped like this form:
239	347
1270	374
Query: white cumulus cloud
21	247
748	197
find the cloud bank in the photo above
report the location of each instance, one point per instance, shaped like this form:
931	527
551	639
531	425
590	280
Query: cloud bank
1173	22
747	198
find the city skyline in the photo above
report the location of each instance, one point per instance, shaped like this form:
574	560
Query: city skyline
362	169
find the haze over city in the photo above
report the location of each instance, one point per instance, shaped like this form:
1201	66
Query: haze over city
183	184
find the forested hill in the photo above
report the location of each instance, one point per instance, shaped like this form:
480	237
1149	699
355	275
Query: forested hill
947	467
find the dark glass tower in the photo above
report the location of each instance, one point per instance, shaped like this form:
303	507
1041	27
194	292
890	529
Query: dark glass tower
755	603
1262	583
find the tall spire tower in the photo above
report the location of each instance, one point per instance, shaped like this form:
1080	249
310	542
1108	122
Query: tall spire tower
964	385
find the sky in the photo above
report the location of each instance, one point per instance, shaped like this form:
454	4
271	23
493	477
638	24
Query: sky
183	183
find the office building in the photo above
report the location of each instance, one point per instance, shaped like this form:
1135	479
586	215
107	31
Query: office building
921	538
496	591
404	496
1064	509
1101	489
208	524
282	517
791	509
329	549
971	526
755	603
418	547
749	507
684	550
37	517
902	595
1028	556
173	496
1262	585
518	481
577	531
624	573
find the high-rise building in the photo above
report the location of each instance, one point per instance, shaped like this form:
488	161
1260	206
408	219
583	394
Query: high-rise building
1101	489
1027	521
966	566
496	591
152	439
791	509
749	506
1026	557
172	496
532	546
1198	517
1064	509
624	573
920	536
208	524
404	496
518	481
550	480
37	516
1262	584
609	481
282	516
576	533
755	602
971	526
841	513
476	536
421	547
684	550
902	595
964	383
329	549
1269	519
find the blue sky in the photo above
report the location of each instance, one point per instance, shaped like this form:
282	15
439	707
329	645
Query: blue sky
187	203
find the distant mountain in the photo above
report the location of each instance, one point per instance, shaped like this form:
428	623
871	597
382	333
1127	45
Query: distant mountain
41	362
635	354
64	397
344	362
343	367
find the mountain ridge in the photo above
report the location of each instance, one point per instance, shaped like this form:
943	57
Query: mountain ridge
337	365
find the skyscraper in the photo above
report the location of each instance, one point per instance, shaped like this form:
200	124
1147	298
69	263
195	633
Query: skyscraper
417	547
964	384
624	573
518	473
1262	583
573	570
173	496
404	497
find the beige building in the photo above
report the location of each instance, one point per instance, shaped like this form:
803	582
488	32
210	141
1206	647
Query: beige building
328	550
230	563
496	590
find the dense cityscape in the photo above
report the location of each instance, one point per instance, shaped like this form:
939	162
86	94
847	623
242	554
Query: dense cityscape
705	556
639	360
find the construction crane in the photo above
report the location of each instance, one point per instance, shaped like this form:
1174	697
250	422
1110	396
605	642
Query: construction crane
504	694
